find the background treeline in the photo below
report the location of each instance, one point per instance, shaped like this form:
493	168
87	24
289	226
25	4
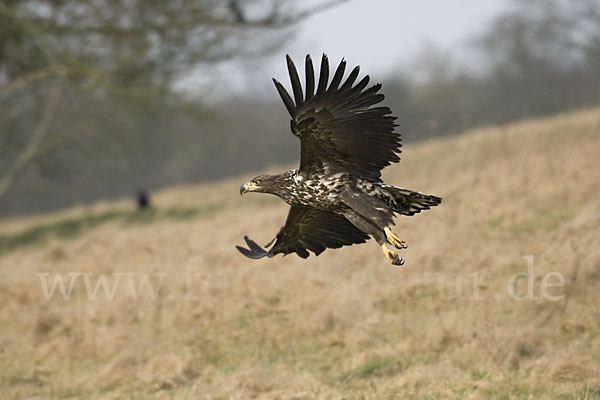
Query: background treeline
540	57
89	108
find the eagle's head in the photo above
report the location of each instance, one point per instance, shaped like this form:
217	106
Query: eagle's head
263	184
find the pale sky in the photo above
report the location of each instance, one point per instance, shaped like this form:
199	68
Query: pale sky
379	35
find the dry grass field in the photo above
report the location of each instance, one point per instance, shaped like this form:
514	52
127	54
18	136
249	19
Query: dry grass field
454	322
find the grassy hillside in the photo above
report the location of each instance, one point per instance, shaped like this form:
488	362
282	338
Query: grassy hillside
449	324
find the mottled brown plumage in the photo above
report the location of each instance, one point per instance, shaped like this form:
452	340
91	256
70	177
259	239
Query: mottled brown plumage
337	195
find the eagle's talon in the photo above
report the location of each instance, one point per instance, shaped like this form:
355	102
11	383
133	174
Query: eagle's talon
392	257
394	240
398	261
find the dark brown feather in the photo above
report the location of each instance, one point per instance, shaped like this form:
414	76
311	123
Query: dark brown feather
296	86
310	78
339	129
337	77
351	78
308	228
287	100
323	75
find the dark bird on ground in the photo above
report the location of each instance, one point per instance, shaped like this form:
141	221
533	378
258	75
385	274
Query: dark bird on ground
337	196
143	199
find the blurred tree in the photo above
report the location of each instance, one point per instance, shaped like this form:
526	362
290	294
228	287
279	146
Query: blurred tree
570	28
536	58
435	106
61	58
544	58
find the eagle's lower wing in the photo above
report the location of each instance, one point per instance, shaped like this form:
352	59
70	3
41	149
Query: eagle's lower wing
339	130
308	228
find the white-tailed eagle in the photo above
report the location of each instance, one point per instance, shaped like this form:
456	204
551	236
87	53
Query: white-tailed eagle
337	196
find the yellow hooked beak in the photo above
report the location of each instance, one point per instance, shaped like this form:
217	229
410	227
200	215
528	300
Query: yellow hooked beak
248	187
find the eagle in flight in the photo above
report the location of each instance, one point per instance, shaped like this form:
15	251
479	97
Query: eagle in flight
337	196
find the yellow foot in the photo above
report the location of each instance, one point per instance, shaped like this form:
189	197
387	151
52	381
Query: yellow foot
394	239
391	256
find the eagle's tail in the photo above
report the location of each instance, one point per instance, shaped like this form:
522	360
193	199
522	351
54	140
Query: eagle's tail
409	202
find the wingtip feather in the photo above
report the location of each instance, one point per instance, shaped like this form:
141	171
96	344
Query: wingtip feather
310	77
295	80
323	74
285	97
337	76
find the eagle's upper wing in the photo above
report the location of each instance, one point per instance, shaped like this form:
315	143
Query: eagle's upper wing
308	228
338	127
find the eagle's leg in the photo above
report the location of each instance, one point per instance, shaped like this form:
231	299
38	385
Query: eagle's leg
379	234
391	256
393	239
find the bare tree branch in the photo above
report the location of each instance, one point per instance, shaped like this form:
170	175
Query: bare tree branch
194	18
134	50
35	145
29	78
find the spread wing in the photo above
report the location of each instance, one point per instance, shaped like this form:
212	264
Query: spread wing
338	127
308	228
